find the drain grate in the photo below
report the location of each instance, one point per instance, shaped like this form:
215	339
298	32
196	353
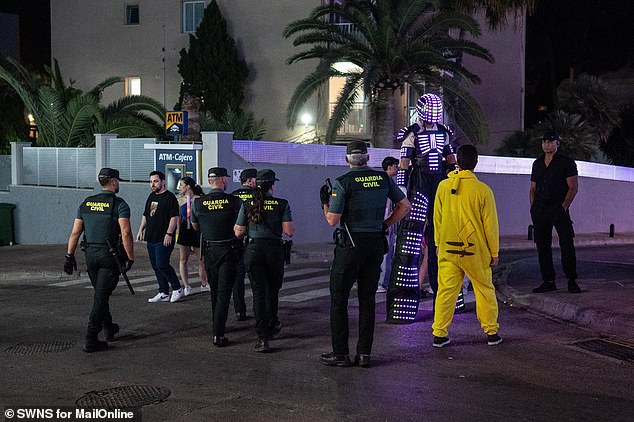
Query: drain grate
38	348
125	397
616	349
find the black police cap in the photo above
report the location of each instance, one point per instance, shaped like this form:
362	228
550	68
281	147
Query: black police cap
357	147
108	173
248	174
217	172
266	175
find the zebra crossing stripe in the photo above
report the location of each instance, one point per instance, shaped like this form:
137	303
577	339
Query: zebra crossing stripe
81	280
304	296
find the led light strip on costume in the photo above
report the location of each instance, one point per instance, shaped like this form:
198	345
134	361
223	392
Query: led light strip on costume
425	155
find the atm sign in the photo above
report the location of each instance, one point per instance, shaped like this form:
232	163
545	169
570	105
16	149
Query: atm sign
176	122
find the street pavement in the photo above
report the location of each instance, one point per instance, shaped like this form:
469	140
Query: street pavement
535	375
604	305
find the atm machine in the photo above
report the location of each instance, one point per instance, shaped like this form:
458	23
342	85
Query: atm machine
178	161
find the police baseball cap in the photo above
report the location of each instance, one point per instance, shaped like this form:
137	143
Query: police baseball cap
357	147
248	174
108	173
266	175
217	172
551	136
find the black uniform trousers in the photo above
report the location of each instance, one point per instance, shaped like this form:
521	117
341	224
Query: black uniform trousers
104	276
239	304
544	219
363	265
264	263
220	264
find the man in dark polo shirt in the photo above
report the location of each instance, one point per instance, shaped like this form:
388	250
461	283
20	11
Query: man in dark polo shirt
553	188
102	218
357	204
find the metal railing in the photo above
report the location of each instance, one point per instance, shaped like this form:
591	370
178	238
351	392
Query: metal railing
68	167
129	157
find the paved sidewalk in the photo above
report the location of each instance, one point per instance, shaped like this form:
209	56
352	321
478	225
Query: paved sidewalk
603	306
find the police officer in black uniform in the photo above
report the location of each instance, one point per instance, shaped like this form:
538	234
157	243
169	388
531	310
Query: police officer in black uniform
244	192
102	218
357	203
214	215
265	218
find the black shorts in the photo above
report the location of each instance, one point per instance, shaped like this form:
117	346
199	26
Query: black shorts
188	237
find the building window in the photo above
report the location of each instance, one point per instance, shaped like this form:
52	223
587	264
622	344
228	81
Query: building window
192	15
132	14
132	85
358	118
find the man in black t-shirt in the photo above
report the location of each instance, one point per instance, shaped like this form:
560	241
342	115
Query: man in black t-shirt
553	188
159	221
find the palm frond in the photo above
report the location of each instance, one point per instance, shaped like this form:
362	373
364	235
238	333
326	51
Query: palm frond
305	90
345	101
52	123
97	91
82	112
132	103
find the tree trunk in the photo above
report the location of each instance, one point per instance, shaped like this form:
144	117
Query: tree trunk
383	120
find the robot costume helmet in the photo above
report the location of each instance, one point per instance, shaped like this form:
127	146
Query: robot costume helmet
429	108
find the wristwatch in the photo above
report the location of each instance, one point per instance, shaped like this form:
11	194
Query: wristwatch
170	234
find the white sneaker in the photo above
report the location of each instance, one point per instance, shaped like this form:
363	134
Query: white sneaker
160	297
177	295
205	288
381	289
188	291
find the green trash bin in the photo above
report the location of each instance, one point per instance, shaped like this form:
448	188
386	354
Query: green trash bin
6	224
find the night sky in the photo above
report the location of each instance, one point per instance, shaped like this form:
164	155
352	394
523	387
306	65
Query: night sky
35	30
591	36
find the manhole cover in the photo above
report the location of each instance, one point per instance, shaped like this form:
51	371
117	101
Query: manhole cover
612	348
125	397
37	348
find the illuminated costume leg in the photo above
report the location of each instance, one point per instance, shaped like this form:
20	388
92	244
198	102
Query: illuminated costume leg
403	293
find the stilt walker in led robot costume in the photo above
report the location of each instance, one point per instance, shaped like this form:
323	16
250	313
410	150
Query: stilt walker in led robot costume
425	144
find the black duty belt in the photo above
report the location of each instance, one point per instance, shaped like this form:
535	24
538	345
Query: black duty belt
366	235
264	240
97	245
227	242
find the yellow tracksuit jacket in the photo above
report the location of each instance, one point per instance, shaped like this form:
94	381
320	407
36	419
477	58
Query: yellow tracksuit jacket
467	235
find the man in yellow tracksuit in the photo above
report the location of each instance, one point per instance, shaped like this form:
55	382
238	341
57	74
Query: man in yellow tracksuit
467	235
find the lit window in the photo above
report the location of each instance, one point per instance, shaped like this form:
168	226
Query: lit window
132	14
132	85
192	15
357	120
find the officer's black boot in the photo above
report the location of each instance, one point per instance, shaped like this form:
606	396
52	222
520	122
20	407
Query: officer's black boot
110	330
93	344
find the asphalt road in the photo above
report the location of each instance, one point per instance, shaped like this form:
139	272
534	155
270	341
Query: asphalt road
536	374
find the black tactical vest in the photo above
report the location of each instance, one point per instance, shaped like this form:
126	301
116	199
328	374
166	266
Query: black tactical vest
99	215
245	193
366	196
271	227
217	214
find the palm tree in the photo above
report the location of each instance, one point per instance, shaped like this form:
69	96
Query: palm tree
578	140
495	11
68	117
588	96
396	42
